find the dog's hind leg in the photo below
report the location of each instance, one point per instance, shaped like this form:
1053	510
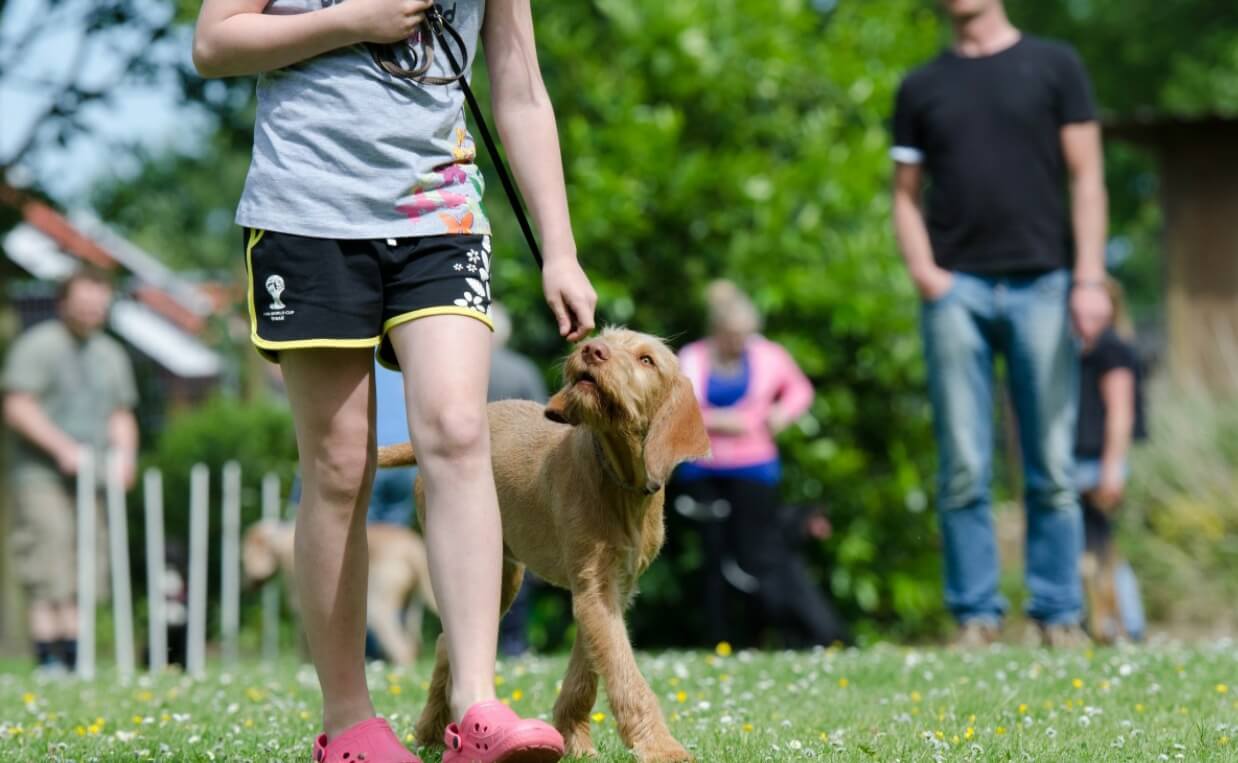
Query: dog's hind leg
436	715
513	576
576	698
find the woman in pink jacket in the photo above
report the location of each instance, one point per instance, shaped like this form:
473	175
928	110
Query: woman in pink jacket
749	389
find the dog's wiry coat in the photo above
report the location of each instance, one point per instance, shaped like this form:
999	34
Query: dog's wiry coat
582	526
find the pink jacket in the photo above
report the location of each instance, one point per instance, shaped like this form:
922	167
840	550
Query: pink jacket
774	379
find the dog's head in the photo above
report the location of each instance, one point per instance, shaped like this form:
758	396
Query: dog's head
629	383
260	551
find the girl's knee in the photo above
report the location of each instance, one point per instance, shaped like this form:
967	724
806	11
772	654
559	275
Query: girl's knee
456	432
342	471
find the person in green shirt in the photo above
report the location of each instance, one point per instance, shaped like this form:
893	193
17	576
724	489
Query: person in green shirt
68	390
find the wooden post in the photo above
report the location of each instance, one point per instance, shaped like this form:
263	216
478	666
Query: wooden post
199	525
270	591
118	539
87	564
155	566
230	563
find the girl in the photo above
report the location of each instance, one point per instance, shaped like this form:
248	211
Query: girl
364	230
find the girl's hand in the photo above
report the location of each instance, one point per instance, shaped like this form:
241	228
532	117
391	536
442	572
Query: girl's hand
570	295
725	421
384	21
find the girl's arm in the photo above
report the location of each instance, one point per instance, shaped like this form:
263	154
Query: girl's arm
235	38
526	123
1117	391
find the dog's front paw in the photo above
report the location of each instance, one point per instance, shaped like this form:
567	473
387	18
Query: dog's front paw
579	745
662	751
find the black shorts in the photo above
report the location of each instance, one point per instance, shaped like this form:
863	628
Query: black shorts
320	292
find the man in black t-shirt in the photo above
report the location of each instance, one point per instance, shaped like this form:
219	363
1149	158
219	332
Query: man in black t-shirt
1002	125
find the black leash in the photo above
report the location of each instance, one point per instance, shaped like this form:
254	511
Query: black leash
440	27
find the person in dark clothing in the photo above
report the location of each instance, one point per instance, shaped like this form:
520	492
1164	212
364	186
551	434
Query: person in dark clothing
1111	418
1001	124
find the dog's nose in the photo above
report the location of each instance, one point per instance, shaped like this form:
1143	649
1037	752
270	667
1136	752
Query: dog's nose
595	352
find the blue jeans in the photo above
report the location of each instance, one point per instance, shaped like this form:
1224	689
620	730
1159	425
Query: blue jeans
392	498
1026	320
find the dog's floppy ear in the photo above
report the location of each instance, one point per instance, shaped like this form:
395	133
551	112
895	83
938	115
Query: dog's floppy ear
677	434
557	408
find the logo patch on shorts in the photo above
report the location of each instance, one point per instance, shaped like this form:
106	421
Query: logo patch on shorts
275	287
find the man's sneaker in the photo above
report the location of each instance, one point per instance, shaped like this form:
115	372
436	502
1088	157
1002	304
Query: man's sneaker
975	634
1063	636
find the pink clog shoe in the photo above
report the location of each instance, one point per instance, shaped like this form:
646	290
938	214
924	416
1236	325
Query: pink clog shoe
491	732
370	741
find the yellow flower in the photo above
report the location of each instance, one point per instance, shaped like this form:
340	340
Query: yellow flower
409	738
249	723
723	649
746	728
969	733
1077	683
255	695
681	696
939	734
971	718
724	677
1139	707
499	680
165	717
825	737
99	721
1222	688
1223	741
145	696
94	729
1000	730
674	680
517	695
14	731
80	731
394	689
842	682
954	739
1104	684
599	717
915	696
28	698
137	720
305	716
1023	709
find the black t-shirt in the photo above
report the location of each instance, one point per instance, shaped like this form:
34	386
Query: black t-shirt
988	132
1111	352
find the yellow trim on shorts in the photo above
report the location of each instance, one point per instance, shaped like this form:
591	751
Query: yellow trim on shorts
255	235
426	312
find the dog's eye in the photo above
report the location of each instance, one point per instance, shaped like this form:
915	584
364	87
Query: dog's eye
647	359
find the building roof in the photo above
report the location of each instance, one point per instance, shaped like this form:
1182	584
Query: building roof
166	313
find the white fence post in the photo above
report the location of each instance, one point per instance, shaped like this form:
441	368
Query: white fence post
118	540
199	525
270	592
230	562
87	564
155	566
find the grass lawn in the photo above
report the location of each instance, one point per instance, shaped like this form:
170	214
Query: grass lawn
885	704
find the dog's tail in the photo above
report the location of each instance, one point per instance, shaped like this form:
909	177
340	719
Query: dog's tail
396	455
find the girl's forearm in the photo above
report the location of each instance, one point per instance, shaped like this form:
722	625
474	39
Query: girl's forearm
529	132
1117	389
251	43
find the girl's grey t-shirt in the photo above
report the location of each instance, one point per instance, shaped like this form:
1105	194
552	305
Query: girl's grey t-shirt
344	150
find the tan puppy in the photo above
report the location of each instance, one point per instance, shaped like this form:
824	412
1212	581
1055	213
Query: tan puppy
580	486
399	582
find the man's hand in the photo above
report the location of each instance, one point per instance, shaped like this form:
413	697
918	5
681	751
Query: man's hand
932	282
570	296
1108	492
1090	310
384	21
69	459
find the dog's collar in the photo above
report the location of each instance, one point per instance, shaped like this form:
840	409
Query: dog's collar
610	472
